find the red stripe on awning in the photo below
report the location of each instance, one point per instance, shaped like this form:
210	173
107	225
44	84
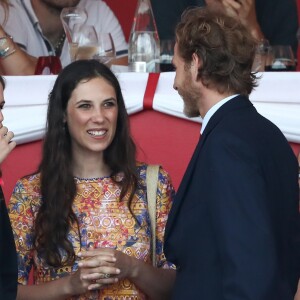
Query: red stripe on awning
150	90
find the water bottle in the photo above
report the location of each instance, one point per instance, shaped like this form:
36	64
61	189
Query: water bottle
144	46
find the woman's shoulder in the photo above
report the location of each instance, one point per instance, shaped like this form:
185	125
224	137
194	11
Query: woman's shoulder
28	184
163	175
26	193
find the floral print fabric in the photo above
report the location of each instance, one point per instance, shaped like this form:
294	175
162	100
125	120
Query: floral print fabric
104	221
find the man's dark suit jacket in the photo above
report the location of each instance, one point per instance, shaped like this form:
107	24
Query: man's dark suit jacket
233	230
8	257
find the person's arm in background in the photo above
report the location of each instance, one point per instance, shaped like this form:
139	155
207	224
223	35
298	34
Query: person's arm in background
274	20
246	13
17	62
13	61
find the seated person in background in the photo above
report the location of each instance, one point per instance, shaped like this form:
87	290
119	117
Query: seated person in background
274	20
8	258
85	222
36	28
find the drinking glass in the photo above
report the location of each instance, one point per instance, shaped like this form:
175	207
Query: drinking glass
261	55
72	19
106	49
93	45
280	58
166	55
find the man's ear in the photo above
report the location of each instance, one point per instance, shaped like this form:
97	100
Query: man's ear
195	65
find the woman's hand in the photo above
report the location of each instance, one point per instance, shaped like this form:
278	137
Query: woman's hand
106	271
96	269
156	283
6	145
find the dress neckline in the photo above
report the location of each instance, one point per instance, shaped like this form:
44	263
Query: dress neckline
92	178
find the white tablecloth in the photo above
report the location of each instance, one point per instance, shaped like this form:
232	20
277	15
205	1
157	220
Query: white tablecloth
277	98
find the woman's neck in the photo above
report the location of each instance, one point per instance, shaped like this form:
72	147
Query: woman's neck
90	167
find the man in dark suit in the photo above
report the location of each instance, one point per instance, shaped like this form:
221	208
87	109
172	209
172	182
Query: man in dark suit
8	257
234	228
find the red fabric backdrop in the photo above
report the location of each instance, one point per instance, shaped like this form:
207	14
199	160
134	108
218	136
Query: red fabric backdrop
124	10
160	138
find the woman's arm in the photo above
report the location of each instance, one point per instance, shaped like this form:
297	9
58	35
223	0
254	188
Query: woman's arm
54	290
156	283
71	285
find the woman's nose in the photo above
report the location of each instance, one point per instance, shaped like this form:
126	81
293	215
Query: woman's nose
97	115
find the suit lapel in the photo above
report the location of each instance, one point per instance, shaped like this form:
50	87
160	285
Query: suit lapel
184	185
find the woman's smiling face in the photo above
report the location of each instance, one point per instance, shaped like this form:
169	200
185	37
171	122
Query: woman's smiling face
91	116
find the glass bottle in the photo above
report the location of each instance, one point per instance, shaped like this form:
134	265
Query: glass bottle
144	46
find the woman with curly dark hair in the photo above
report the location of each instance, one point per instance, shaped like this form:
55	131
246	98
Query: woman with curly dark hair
82	220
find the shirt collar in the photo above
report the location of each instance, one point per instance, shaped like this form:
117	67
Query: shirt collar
213	109
31	13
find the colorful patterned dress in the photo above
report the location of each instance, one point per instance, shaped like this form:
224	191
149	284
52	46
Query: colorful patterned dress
104	221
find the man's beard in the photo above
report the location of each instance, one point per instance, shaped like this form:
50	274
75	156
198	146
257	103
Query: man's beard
60	4
190	97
